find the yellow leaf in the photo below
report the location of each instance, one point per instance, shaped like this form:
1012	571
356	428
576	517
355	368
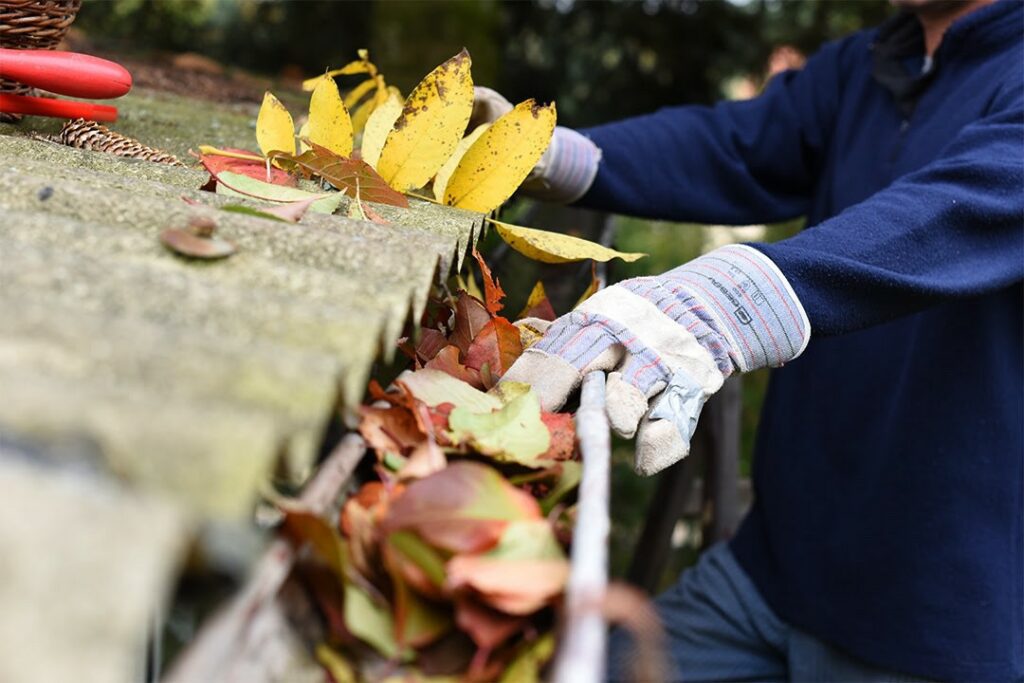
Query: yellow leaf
499	162
365	111
430	126
378	125
444	175
362	114
310	83
341	671
359	66
329	124
554	247
210	150
537	295
384	91
275	131
359	92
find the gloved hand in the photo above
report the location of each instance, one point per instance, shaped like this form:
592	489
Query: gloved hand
568	167
668	343
488	106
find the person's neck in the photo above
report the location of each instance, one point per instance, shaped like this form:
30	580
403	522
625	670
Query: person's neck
937	18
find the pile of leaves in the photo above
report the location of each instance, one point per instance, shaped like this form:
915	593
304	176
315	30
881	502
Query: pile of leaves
390	148
451	560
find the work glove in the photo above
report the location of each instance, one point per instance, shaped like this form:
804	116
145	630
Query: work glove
668	343
568	166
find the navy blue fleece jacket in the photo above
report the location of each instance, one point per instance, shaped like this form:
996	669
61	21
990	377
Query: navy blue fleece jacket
889	468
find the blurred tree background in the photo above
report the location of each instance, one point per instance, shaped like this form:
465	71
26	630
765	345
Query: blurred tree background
599	61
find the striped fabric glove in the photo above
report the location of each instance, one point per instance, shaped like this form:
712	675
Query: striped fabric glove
668	343
569	165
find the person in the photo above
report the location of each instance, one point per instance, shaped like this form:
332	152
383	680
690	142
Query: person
886	538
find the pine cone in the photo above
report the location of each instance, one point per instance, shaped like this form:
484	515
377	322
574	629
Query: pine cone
91	135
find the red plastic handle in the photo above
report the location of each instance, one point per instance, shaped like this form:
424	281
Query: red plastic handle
66	73
67	109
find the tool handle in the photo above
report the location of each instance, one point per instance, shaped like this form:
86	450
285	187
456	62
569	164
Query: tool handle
66	73
42	106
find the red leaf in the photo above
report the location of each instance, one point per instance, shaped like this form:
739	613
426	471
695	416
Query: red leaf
326	592
470	317
425	459
360	517
487	627
215	164
302	525
371	497
493	293
513	586
292	212
389	429
447	360
563	436
377	392
372	215
538	305
437	314
431	341
497	346
352	175
544	310
463	508
439	419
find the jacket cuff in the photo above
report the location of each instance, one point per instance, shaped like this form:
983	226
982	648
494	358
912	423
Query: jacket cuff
567	169
751	304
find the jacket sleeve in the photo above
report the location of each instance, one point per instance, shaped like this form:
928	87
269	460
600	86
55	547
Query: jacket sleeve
952	229
737	163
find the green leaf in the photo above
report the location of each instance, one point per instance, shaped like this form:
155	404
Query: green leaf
569	474
250	211
515	433
237	185
435	387
393	461
418	622
337	666
525	668
414	549
531	539
371	622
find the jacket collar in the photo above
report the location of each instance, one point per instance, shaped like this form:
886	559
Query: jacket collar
988	28
900	40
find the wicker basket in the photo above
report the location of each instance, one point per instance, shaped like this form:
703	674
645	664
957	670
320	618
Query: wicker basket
32	25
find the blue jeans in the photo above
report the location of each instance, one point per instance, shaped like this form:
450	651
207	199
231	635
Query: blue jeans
719	628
